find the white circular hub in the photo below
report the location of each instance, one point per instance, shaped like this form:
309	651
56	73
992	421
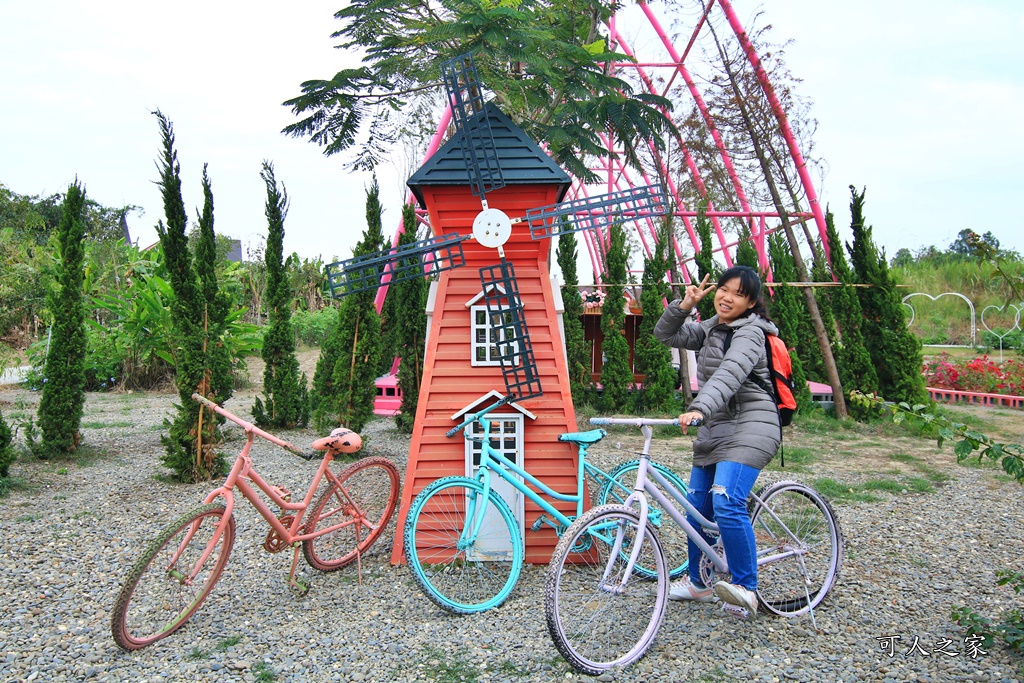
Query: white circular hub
492	228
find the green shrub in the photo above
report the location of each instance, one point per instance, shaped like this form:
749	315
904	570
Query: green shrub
7	454
104	359
1013	340
312	328
1010	624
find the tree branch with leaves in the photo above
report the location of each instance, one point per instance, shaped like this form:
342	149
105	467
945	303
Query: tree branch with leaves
548	65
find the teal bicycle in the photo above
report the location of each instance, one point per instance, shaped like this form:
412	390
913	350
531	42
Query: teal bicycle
463	542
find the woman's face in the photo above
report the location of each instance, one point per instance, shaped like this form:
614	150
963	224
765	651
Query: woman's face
729	303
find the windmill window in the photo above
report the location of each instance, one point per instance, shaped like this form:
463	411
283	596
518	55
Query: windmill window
487	350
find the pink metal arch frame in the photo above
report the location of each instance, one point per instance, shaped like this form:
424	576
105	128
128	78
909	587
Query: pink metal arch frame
617	176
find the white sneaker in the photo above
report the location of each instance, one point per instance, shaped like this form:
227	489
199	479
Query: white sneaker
683	589
737	595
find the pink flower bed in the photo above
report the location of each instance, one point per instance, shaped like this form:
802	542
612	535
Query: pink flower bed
980	375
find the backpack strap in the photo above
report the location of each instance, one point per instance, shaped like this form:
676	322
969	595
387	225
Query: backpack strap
760	383
772	373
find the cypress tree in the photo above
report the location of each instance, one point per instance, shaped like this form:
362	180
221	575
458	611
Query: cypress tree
746	254
7	454
63	399
823	296
895	352
374	240
654	359
853	361
353	375
188	450
705	261
786	310
191	439
323	376
411	322
577	351
800	332
218	381
821	272
345	373
616	374
287	401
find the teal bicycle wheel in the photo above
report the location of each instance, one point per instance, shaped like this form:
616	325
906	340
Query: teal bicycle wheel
463	575
673	539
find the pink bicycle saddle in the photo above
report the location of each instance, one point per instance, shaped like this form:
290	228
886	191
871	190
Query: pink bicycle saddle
341	440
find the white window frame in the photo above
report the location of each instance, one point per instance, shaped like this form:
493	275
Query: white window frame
488	345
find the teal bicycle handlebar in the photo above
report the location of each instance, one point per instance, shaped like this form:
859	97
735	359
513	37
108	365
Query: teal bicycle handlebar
476	416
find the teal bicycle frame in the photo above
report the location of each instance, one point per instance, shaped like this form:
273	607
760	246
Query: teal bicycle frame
489	457
462	538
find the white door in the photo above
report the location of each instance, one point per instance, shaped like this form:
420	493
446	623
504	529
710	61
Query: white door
507	439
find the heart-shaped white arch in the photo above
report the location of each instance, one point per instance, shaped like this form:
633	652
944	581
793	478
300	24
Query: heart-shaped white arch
970	304
1000	337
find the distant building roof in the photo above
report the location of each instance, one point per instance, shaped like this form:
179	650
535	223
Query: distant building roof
522	160
124	227
234	254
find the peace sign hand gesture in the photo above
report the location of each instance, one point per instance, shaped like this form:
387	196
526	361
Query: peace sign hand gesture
694	293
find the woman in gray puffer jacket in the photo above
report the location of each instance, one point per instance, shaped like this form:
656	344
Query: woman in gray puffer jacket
739	432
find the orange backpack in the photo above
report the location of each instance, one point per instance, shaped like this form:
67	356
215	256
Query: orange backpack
780	370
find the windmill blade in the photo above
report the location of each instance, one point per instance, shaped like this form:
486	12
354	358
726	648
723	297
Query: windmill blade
465	95
582	214
509	332
421	258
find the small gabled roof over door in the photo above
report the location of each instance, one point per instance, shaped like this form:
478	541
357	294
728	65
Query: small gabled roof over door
491	395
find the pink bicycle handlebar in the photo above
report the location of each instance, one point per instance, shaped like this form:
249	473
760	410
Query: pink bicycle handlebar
251	428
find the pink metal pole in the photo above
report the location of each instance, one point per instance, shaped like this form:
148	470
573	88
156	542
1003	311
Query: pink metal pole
673	189
694	171
762	247
780	115
624	173
589	237
663	167
698	99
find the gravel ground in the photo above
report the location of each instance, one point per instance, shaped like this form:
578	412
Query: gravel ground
69	536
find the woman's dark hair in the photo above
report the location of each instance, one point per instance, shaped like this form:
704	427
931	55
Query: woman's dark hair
750	286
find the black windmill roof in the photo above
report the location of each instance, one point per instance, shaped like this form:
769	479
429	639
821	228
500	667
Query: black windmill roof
521	159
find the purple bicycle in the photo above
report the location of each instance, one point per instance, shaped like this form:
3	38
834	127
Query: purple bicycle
603	613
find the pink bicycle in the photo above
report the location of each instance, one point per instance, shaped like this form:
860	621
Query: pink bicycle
181	565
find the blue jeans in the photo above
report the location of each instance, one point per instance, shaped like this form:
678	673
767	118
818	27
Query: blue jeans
719	492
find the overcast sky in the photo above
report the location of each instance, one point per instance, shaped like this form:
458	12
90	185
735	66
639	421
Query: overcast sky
921	101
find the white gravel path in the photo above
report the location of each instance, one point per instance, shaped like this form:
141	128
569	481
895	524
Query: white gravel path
68	539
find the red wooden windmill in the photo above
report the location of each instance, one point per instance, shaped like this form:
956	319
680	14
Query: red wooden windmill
461	370
494	330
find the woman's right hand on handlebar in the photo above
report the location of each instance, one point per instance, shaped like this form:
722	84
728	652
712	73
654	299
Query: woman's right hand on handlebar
690	419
